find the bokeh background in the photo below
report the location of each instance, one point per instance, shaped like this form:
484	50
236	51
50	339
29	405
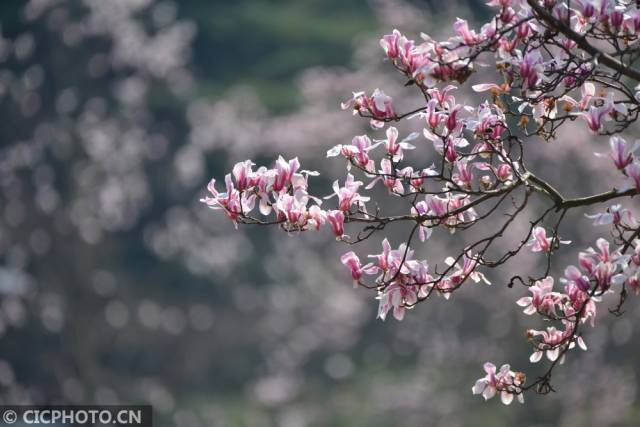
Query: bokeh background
117	286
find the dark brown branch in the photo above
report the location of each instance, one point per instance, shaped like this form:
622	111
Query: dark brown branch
562	203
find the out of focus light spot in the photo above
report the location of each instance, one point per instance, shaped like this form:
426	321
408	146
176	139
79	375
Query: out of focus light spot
23	46
201	317
339	366
117	314
173	320
149	314
104	283
67	101
51	314
276	389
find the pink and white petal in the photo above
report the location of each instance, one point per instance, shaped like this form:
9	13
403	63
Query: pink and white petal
524	301
535	357
581	343
479	386
506	397
489	392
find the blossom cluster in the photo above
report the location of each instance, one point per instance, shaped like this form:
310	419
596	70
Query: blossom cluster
533	69
403	281
476	163
598	272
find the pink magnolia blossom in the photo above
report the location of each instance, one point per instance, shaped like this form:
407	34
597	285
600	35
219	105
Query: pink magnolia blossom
351	260
336	219
317	217
541	243
386	174
615	214
397	297
595	115
284	172
232	202
551	340
394	148
442	96
530	68
378	105
621	153
633	175
348	195
573	275
469	36
588	91
467	270
463	177
542	298
504	381
393	43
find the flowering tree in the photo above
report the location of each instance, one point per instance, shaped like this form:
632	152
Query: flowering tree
556	62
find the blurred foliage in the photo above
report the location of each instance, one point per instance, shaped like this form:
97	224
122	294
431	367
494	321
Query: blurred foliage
266	43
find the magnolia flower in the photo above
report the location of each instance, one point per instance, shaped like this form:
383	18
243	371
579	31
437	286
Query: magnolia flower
553	340
336	219
396	296
394	148
442	97
615	214
348	195
621	153
393	43
550	339
351	260
541	243
284	172
317	217
388	177
468	269
633	176
347	151
463	177
573	275
378	105
530	69
416	179
587	90
506	381
489	122
468	36
232	202
504	172
242	172
594	117
543	299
